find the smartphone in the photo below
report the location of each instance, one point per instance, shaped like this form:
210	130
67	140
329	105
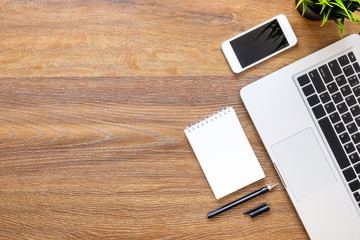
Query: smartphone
259	43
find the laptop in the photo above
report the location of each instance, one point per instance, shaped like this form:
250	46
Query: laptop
308	117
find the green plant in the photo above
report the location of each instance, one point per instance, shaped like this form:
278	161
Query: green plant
336	10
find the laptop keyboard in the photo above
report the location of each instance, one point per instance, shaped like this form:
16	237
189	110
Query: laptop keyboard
333	94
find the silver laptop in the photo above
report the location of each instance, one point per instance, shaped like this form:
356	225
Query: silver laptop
308	117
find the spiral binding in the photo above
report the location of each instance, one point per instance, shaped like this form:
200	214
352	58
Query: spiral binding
209	119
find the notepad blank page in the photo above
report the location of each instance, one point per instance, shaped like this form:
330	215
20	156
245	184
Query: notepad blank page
225	154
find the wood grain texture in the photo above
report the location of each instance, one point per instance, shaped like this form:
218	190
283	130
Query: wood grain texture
94	97
109	37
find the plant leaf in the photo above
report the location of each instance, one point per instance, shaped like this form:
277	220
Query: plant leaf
326	17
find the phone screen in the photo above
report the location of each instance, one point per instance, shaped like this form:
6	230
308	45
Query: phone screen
259	43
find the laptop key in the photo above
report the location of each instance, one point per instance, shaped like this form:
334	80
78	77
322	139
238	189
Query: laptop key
348	70
349	147
345	90
357	196
357	168
342	107
313	100
334	143
344	137
318	111
355	110
325	73
330	107
356	138
353	80
357	120
334	117
340	80
339	127
354	185
352	57
325	97
303	80
316	80
343	60
354	157
349	174
350	100
356	67
351	128
346	117
357	91
332	87
335	68
308	90
337	97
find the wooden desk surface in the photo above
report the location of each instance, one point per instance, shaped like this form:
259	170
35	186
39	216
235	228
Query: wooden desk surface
94	97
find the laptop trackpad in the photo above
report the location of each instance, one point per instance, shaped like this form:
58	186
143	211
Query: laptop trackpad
303	164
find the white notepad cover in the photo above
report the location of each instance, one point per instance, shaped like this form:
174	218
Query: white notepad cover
224	152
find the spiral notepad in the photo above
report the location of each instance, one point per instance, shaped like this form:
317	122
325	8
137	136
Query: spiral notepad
224	152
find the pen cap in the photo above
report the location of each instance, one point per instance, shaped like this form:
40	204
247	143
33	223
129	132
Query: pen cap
258	210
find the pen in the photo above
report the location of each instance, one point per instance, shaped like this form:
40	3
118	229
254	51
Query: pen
240	201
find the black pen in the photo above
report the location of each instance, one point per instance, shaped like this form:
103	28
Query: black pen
240	201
